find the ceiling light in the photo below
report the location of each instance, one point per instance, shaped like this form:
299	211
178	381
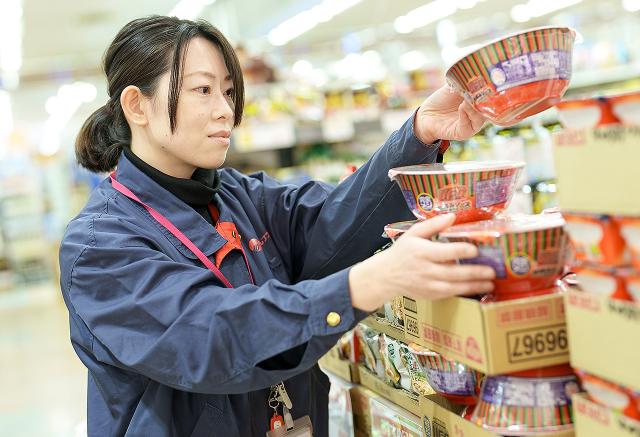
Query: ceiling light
430	13
524	12
302	68
6	117
189	9
412	60
307	20
61	108
631	5
10	42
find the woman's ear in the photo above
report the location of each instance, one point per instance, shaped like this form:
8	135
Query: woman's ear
133	105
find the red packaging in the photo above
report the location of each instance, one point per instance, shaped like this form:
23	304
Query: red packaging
472	190
516	76
528	252
596	239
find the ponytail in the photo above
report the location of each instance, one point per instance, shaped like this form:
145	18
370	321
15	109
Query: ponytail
101	138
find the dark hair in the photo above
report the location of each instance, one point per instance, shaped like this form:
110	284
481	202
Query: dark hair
141	52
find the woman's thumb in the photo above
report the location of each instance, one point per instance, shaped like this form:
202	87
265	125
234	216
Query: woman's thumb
430	227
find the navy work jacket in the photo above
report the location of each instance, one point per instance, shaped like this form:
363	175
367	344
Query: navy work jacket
169	350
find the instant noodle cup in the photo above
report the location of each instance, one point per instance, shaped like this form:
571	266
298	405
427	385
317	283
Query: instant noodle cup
527	403
472	190
596	238
610	395
585	113
630	231
501	297
527	252
603	281
450	379
627	108
517	76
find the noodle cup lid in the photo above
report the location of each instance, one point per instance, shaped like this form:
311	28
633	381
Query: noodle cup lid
455	168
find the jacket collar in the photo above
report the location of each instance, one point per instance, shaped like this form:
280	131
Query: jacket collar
183	216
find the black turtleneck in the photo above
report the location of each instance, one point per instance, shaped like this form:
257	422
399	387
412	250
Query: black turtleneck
196	192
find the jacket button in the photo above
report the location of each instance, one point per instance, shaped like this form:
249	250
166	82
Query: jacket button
333	319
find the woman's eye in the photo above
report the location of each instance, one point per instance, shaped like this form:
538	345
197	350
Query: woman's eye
230	92
204	89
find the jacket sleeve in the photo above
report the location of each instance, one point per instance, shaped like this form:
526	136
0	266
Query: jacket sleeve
321	229
172	323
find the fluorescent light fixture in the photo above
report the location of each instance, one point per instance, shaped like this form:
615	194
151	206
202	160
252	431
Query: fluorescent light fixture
523	12
189	9
61	108
6	119
430	13
631	5
412	60
307	20
302	68
10	42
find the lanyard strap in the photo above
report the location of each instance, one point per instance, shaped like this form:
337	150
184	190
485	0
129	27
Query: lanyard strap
175	231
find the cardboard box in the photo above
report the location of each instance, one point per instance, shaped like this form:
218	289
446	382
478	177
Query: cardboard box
493	338
402	398
439	421
593	420
360	404
339	367
385	327
597	169
388	419
604	335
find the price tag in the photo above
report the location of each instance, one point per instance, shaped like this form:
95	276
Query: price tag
537	343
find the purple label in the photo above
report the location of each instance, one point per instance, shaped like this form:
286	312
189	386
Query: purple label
408	197
520	265
453	383
491	256
531	67
492	191
529	392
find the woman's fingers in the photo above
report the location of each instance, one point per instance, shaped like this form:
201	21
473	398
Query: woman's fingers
435	289
430	227
460	273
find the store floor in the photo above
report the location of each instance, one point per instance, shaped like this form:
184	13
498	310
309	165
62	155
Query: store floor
43	383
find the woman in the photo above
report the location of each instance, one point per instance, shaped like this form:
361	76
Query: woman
193	291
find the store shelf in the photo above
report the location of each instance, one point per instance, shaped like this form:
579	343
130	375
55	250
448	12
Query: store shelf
597	78
385	328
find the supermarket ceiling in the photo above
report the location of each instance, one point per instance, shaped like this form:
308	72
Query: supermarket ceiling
68	37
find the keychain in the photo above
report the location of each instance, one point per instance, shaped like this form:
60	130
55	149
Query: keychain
277	421
285	426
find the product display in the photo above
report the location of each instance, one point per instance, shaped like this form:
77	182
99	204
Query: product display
528	253
604	281
527	403
369	345
627	107
453	380
611	395
518	76
630	231
586	113
596	238
472	190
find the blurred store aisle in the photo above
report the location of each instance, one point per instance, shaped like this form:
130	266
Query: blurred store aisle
43	383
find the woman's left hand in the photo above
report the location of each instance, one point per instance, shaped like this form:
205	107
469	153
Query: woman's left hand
445	115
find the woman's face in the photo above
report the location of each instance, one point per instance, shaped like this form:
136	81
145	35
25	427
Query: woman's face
205	113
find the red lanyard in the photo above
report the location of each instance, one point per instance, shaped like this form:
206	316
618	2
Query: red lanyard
165	223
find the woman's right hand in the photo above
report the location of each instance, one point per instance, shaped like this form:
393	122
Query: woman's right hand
417	267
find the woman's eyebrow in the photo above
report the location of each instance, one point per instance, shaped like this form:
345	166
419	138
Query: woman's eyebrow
207	73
